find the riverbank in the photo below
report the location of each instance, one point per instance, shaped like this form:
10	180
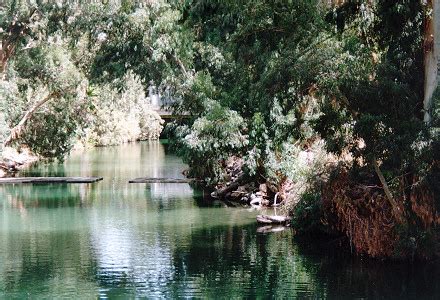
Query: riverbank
306	168
344	201
13	160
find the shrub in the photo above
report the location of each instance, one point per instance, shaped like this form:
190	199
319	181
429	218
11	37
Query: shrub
122	113
212	139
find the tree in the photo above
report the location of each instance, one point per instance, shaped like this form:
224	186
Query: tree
52	51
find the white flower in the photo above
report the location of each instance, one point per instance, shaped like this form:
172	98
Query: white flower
102	37
70	19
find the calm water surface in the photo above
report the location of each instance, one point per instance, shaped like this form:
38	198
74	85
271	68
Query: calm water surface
114	239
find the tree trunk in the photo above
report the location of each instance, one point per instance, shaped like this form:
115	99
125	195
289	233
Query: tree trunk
397	212
231	187
18	129
16	30
431	49
6	51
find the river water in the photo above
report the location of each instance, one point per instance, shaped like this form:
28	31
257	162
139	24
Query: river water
114	239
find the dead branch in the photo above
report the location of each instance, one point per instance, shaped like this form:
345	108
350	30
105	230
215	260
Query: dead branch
397	213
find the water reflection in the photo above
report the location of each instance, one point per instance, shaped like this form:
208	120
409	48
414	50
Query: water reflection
113	238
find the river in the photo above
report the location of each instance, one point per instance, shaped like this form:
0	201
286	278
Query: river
114	239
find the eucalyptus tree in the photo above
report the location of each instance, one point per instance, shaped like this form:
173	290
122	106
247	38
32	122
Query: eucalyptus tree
252	55
350	74
55	55
37	69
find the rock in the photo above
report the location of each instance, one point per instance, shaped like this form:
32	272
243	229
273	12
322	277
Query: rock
22	158
228	177
256	201
247	188
242	188
244	199
224	192
265	202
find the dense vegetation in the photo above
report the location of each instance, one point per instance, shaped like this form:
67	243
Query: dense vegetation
318	105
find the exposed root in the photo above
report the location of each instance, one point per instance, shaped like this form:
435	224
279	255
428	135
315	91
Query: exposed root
362	213
365	215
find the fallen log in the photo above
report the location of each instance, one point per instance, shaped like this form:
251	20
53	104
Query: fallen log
266	219
227	189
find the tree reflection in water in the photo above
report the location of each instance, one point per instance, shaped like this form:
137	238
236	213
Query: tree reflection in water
113	238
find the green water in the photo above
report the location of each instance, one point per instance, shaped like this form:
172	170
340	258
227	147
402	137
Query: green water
113	239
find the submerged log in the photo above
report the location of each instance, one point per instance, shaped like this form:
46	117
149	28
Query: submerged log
22	180
163	180
266	219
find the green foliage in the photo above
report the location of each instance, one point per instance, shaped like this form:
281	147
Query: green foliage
60	48
196	94
436	110
51	66
259	145
278	83
46	72
211	139
415	242
50	134
4	131
307	214
121	113
148	40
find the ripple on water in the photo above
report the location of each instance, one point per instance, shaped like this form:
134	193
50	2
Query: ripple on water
116	240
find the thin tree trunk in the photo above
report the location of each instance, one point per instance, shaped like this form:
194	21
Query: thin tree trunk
397	213
18	129
16	30
6	51
431	57
181	65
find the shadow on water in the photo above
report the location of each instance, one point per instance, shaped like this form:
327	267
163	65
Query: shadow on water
115	239
44	195
346	276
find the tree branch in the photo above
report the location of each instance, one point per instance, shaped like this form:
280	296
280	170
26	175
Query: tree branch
15	31
18	129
